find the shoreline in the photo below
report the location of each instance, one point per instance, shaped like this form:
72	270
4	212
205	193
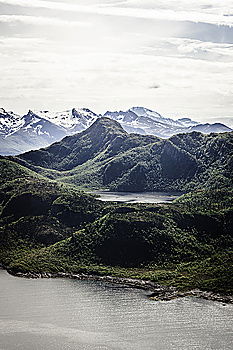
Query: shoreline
157	291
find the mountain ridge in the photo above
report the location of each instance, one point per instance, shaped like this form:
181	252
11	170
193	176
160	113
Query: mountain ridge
50	226
106	156
18	135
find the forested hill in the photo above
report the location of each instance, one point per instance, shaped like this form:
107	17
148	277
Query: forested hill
106	156
47	227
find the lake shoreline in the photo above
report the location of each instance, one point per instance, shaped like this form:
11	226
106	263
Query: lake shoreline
156	292
153	197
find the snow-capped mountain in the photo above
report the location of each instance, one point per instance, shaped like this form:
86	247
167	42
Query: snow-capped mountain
187	122
210	128
145	121
31	132
9	122
147	113
38	129
41	127
73	120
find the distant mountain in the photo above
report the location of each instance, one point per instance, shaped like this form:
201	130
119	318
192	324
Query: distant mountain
211	128
187	122
106	156
9	122
38	129
72	121
31	132
145	121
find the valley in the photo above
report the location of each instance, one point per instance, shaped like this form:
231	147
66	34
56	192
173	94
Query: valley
116	175
49	225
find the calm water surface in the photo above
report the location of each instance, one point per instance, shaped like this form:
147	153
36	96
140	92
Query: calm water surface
58	314
138	197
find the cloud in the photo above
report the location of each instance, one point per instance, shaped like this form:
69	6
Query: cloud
41	21
198	46
190	48
174	13
121	61
101	81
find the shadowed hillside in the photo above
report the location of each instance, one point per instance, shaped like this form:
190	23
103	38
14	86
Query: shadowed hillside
105	156
47	226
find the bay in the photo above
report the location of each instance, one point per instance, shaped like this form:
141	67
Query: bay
71	314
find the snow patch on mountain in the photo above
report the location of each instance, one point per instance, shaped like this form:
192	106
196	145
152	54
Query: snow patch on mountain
73	120
145	121
187	122
145	112
9	122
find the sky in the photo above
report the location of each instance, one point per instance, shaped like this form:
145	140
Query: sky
172	56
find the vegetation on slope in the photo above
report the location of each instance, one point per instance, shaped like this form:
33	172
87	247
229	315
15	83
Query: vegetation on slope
105	156
39	211
50	227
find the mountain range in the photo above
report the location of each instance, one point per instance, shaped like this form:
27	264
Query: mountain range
47	225
38	129
49	228
106	156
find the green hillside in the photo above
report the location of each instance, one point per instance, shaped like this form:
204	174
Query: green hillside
46	226
105	156
38	211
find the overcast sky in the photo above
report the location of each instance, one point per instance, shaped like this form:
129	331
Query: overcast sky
173	56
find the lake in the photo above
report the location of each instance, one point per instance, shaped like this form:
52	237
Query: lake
137	197
66	314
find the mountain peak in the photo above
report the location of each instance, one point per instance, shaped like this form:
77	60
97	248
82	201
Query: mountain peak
107	125
145	112
74	111
9	123
104	134
73	120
